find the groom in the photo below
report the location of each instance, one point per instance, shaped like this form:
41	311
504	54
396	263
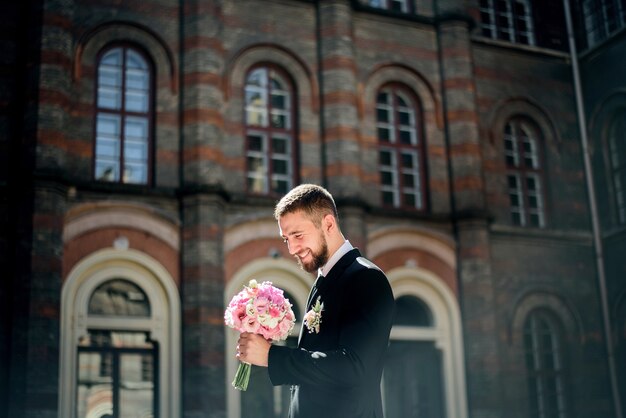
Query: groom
336	369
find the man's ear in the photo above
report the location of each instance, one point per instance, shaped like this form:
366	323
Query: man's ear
329	223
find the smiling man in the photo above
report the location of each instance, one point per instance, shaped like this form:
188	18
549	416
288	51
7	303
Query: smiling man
336	369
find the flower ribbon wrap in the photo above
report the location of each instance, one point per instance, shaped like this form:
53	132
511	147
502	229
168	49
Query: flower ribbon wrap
259	309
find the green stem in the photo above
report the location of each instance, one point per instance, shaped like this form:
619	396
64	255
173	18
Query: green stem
242	377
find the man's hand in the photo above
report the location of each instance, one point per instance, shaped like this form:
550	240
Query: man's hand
253	349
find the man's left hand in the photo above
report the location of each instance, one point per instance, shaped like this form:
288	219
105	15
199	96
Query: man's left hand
253	349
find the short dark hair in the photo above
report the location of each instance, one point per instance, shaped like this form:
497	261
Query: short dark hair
313	200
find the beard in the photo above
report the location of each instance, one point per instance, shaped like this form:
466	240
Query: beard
320	257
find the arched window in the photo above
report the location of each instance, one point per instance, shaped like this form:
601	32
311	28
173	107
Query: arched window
617	164
401	149
543	351
524	165
270	132
602	19
507	20
117	370
120	336
124	112
413	383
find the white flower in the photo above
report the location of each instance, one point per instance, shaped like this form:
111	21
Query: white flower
313	318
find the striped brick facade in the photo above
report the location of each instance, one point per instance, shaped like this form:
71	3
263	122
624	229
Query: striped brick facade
197	232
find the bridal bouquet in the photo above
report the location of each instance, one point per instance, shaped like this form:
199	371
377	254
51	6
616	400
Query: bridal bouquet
259	309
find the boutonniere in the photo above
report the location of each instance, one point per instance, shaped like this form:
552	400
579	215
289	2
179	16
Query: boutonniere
313	318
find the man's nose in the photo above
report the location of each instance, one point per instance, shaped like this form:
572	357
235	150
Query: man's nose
293	250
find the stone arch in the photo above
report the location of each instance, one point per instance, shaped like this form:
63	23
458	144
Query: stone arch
506	109
95	39
164	323
446	332
304	79
546	299
400	73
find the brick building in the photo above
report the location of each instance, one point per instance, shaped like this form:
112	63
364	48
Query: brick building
143	145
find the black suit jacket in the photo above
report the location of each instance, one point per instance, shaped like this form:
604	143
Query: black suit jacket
337	372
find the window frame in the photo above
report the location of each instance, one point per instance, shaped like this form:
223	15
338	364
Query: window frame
407	6
522	172
511	26
164	324
616	166
397	149
597	18
124	114
268	133
540	373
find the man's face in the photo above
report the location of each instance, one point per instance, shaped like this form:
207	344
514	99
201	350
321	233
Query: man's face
305	241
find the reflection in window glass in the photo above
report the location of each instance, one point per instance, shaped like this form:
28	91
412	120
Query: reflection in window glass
123	113
119	297
401	150
524	174
544	366
507	20
116	375
270	133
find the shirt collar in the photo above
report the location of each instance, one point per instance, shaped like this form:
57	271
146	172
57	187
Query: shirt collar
345	248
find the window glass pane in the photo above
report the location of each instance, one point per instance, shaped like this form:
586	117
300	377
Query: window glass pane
95	385
408	180
280	145
279	101
137	385
384	134
280	120
386	178
413	385
107	170
408	160
256	184
280	186
388	198
385	158
382	115
280	166
405	118
255	143
135	173
119	297
412	311
257	78
406	137
256	164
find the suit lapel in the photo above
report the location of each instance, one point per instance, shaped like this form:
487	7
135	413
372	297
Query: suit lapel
322	282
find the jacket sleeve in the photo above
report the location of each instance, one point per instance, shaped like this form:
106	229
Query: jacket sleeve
366	322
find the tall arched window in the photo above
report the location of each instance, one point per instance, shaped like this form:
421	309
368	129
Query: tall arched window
120	333
270	131
401	149
524	165
617	159
543	351
124	111
413	384
117	369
